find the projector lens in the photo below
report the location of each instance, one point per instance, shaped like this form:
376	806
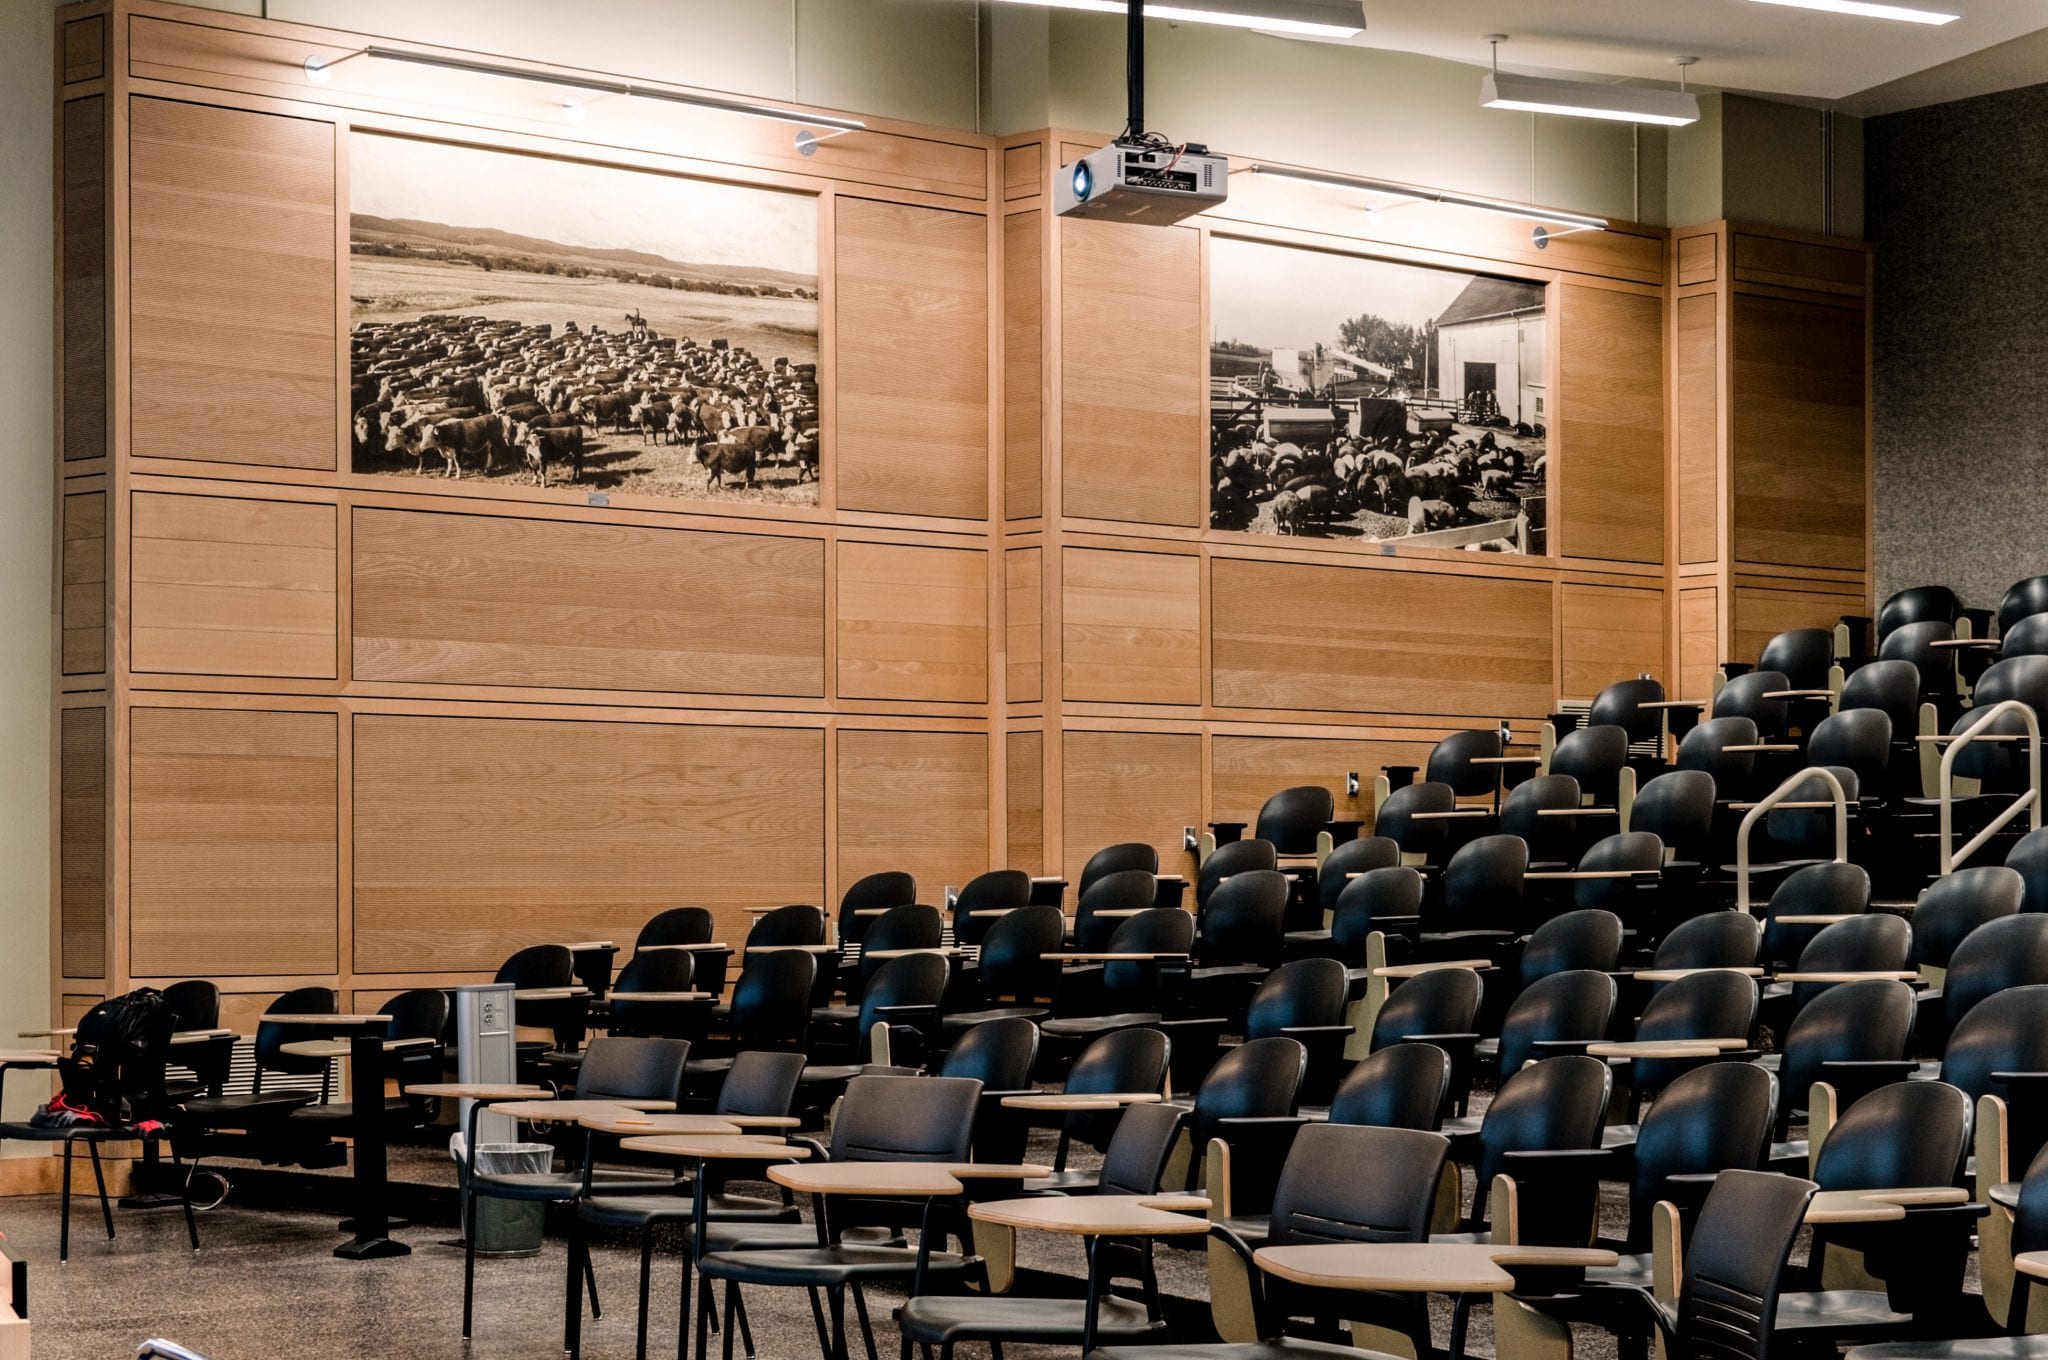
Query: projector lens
1084	182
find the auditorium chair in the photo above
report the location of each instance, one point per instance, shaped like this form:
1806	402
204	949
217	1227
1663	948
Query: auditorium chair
2028	637
1544	811
1637	860
1853	1035
1677	807
2002	953
1724	749
1375	922
1935	667
2029	859
1451	762
1116	859
2015	1223
1339	869
903	996
911	926
1018	971
1439	1007
1230	859
1240	938
2022	600
1303	1000
1249	1100
1125	1061
254	1124
1918	605
1417	818
1558	1013
543	967
195	1005
871	893
677	925
1717	938
1812	890
1804	656
1587	937
1953	906
1716	1005
770	1010
1478	913
1293	821
1874	943
1000	1055
1555	1107
415	1049
1108	902
1598	758
1126	993
1621	704
984	900
658	970
1402	1086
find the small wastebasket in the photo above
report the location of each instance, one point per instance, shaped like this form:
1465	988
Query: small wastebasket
510	1227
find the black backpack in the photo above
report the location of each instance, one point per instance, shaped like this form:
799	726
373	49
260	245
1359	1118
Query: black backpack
116	1064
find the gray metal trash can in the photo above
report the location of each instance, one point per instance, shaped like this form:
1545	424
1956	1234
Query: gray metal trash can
511	1227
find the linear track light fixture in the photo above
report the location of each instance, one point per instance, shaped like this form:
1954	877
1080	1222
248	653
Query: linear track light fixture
1548	217
1587	99
1305	18
319	70
1878	9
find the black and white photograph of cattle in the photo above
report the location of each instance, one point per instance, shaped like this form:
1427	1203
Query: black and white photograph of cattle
1376	401
524	320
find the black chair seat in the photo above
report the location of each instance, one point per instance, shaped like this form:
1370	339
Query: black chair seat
1223	972
1065	1182
343	1112
559	1185
706	1067
821	1073
225	1111
1839	1312
961	1021
635	1211
835	1015
949	1319
1306	939
1086	1026
779	1234
827	1266
1632	1271
1281	1348
1619	1135
97	1133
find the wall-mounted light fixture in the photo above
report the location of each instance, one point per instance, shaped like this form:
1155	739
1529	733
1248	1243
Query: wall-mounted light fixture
1304	18
1528	212
1586	99
1877	9
319	71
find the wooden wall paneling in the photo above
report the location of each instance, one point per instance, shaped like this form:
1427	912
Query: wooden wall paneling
1130	786
1797	439
1023	176
914	801
1776	261
1023	573
82	251
1611	425
1246	770
1699	641
82	842
1697	437
1024	801
233	264
912	623
1131	627
1023	364
1298	636
1132	372
477	836
233	853
1759	613
912	361
83	590
84	48
497	600
230	586
1609	633
1698	258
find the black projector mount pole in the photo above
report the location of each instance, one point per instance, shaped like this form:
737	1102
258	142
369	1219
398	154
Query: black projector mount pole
1134	70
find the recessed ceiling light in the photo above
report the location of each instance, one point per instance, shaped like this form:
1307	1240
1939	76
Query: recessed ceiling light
1875	9
1308	18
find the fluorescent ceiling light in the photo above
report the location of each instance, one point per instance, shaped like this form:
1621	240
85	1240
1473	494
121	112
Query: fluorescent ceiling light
1309	18
1580	99
1528	212
1873	9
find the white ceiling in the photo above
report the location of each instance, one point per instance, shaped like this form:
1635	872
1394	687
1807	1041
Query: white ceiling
1742	45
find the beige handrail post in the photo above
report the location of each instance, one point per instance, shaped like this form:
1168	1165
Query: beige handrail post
2029	801
1771	800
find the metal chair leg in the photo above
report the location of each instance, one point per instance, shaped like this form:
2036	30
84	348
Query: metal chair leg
860	1310
64	1214
739	1301
818	1317
468	1258
572	1310
646	1275
837	1298
731	1292
590	1280
185	1202
99	1178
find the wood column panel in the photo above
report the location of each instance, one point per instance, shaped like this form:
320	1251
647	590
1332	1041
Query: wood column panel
475	837
1797	440
1609	633
912	359
1023	624
1697	442
83	590
1331	638
1132	371
232	586
1699	641
1130	786
1023	362
496	600
233	856
914	801
1611	418
1760	613
234	356
82	842
913	623
83	261
1024	802
1131	627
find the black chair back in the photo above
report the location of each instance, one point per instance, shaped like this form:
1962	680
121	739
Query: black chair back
1713	1118
2022	600
1440	1001
1292	818
1907	1133
1387	899
1549	839
1230	860
1122	1061
1020	956
272	1037
1678	808
1304	993
1450	762
1586	938
905	927
1706	748
771	1002
1255	1080
658	970
1634	852
1400	1087
1139	1150
1555	1105
1830	889
1594	756
1875	942
2005	1032
1713	939
1803	656
1934	666
1859	739
677	925
1115	859
986	899
1919	605
2028	637
632	1069
1421	837
1745	697
1621	705
1956	904
1122	890
1735	1265
760	1082
2011	951
912	985
2029	859
421	1013
194	1004
1715	1005
1244	919
796	924
1868	1020
884	890
1890	687
1575	1006
906	1119
996	1053
1357	1183
1357	856
1482	885
1134	985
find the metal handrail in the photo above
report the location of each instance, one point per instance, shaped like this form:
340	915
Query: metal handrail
1762	808
156	1348
2030	800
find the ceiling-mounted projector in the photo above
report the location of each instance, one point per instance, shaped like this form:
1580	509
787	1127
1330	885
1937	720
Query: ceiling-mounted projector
1141	182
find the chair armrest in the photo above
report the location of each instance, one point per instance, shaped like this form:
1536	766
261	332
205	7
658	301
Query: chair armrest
1564	1157
1449	1043
1688	1189
1552	1048
1309	1033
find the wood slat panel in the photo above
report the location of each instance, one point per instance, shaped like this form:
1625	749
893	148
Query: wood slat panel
1611	409
1698	434
1246	771
489	600
1699	258
1797	437
477	836
84	265
1131	372
1131	629
1024	801
1023	625
225	586
1761	613
913	623
84	588
912	359
1609	633
82	842
1699	647
233	279
1023	365
233	825
1022	177
1288	635
1130	786
85	42
1798	264
914	801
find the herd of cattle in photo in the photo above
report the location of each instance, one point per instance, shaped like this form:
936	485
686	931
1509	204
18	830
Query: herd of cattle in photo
462	392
